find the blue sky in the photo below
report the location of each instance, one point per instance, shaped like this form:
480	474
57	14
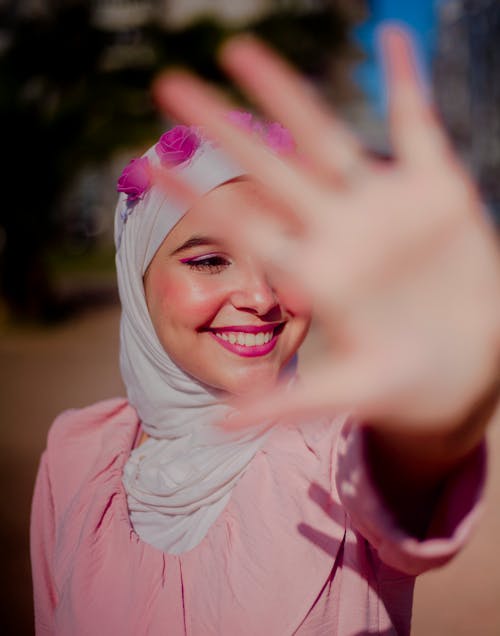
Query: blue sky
419	15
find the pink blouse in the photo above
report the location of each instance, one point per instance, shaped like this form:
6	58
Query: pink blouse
305	545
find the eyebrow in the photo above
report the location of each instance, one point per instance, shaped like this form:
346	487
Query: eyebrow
196	241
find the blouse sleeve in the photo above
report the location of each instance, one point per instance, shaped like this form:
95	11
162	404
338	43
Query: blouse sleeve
42	543
455	513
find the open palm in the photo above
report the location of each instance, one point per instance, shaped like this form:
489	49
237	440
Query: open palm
398	258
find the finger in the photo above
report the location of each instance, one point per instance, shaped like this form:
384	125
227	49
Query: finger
375	387
297	404
191	100
281	255
293	257
338	385
270	241
174	186
330	148
416	134
279	251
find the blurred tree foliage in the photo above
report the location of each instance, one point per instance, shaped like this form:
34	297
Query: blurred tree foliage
64	107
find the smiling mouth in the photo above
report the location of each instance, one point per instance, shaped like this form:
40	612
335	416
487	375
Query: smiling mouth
248	340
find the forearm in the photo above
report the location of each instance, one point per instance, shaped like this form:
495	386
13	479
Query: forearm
410	468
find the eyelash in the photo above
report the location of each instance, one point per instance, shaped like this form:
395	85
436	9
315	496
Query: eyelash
213	264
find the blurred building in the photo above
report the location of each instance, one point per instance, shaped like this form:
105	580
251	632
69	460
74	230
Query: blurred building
123	14
126	20
467	87
181	12
117	15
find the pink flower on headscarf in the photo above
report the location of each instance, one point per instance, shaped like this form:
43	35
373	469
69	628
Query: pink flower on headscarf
279	139
274	135
177	145
135	179
241	119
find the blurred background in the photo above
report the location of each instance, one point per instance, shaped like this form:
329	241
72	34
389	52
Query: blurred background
75	107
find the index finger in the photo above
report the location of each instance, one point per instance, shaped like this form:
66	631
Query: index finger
416	134
192	100
268	79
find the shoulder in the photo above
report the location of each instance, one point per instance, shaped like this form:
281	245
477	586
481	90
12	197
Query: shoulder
81	441
91	422
84	430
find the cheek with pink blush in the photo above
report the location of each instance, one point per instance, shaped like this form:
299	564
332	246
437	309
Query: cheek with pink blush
185	302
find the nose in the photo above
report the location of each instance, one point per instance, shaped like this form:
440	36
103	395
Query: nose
254	293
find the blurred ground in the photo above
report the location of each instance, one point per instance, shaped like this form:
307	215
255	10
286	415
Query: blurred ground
44	371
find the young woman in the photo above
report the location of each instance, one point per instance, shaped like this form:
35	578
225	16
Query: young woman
181	511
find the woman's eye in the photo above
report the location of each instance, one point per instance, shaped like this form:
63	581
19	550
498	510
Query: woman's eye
211	264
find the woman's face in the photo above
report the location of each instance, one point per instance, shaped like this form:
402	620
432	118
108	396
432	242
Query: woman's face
214	309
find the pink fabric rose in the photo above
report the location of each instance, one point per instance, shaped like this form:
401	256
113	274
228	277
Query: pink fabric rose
177	145
241	119
279	139
274	135
135	179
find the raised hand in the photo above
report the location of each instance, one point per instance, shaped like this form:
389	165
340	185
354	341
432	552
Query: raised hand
399	259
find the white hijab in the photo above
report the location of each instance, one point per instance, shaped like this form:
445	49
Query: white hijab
180	479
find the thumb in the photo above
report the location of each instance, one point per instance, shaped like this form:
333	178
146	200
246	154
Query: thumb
328	389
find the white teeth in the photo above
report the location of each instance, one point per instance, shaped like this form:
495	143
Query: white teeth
249	340
245	339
